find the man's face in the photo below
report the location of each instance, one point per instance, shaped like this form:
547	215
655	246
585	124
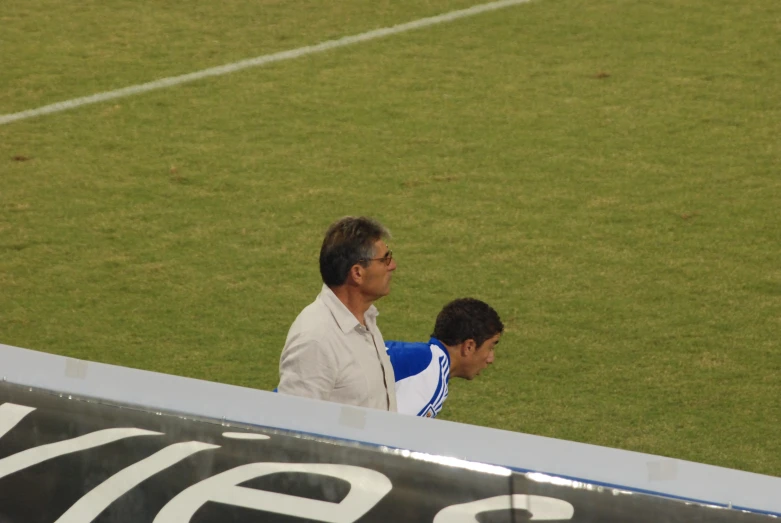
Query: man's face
480	358
378	274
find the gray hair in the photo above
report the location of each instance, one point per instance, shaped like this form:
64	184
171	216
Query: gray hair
348	241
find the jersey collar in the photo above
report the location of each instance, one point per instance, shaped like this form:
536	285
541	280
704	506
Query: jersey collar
434	341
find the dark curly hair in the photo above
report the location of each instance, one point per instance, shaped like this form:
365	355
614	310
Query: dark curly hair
467	319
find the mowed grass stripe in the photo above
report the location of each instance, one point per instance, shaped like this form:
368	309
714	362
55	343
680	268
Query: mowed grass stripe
258	61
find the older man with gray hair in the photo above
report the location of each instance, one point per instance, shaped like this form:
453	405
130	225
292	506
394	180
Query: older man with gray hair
334	350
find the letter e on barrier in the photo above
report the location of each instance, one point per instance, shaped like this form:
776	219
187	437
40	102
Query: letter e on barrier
541	508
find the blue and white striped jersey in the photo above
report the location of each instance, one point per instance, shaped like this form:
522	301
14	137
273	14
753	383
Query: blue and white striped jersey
422	372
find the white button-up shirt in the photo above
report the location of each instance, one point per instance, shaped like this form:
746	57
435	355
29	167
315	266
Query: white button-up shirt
329	355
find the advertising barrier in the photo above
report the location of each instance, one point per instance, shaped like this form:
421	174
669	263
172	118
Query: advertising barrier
68	459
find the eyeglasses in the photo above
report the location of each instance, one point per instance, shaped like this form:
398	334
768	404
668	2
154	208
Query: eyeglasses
387	259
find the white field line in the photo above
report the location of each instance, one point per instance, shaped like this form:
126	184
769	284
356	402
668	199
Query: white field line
257	61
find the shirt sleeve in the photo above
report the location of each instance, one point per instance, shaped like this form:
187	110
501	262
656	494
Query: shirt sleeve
407	359
307	368
421	386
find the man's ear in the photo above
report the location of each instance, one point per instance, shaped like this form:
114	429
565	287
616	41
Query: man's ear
468	347
356	274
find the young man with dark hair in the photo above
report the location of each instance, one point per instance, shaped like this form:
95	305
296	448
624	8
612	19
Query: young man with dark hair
465	334
334	350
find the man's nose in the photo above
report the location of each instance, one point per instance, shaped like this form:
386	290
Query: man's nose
392	266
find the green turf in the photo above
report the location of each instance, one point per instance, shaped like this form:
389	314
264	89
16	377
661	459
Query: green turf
605	173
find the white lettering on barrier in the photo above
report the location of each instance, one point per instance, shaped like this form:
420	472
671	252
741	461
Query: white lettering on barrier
367	488
98	499
10	415
541	508
35	455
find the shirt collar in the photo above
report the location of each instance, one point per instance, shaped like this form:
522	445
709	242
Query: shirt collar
434	341
344	318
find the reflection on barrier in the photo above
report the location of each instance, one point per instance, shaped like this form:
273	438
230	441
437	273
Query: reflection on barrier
66	459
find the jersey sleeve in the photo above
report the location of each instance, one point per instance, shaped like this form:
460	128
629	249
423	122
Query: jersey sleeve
421	378
407	359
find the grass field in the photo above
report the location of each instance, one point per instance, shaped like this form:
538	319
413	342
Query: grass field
605	173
